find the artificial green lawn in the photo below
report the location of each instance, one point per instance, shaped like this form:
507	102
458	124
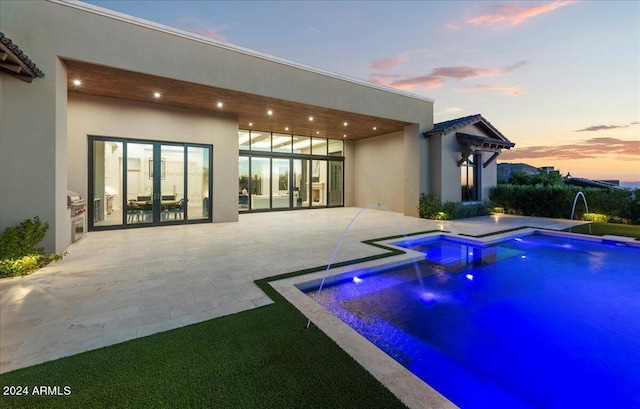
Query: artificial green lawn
262	358
600	229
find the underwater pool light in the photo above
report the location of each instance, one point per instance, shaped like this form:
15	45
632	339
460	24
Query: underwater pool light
357	280
469	277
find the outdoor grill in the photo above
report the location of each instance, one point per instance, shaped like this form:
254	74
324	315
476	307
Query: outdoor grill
77	207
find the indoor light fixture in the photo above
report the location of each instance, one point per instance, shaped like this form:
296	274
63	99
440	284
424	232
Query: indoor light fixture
269	112
250	123
286	128
311	119
156	95
220	104
345	124
77	83
375	127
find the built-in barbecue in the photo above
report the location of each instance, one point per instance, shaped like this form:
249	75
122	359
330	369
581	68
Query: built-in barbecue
78	207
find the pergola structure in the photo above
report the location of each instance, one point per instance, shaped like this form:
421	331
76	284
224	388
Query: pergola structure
471	144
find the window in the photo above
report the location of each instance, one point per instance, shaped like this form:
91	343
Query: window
469	179
280	171
138	182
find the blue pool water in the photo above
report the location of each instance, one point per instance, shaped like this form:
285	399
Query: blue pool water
534	322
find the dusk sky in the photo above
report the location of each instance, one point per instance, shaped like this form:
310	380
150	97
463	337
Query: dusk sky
561	79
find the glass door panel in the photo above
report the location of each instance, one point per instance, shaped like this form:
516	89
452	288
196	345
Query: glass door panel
148	183
198	205
280	183
107	183
319	183
171	174
243	183
300	183
259	186
140	187
335	183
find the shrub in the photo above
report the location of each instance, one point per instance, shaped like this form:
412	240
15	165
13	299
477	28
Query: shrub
429	206
432	208
557	201
463	210
18	252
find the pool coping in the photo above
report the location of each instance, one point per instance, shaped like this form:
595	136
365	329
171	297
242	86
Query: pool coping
411	390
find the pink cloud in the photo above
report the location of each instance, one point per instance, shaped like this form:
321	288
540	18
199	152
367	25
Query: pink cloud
386	63
452	26
207	32
510	90
198	26
439	75
587	149
383	79
512	15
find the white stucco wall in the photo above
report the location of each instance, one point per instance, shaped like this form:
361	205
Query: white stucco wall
88	115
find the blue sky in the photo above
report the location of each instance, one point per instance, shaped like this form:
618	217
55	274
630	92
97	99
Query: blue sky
561	79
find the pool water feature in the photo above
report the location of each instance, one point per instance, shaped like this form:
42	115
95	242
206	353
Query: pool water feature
537	321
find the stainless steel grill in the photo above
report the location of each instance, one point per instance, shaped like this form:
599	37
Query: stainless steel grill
77	206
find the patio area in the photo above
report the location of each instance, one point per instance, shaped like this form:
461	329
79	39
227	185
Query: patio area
119	285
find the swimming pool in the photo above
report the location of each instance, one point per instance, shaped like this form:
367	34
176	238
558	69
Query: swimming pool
537	321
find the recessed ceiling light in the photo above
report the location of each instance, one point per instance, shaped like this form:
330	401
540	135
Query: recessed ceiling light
286	128
77	82
156	95
269	112
220	104
345	124
344	136
250	123
375	127
311	118
317	132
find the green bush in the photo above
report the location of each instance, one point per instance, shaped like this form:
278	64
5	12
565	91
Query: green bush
432	208
429	206
556	201
18	252
463	210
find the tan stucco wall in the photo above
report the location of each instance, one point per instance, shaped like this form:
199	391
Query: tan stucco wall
379	171
123	119
349	173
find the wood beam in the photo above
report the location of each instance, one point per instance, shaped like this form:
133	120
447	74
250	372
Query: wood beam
11	67
465	156
491	159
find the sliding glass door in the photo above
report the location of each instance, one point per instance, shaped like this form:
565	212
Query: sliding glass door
142	183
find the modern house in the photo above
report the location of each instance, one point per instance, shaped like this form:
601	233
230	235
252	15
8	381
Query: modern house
152	125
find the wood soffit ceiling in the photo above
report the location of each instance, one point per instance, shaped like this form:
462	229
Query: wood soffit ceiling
127	85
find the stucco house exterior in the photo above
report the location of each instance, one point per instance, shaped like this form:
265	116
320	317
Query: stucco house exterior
464	149
151	125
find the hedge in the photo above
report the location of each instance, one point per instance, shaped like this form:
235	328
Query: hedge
614	205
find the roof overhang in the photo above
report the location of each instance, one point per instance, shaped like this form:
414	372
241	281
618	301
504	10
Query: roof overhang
252	111
470	144
14	62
